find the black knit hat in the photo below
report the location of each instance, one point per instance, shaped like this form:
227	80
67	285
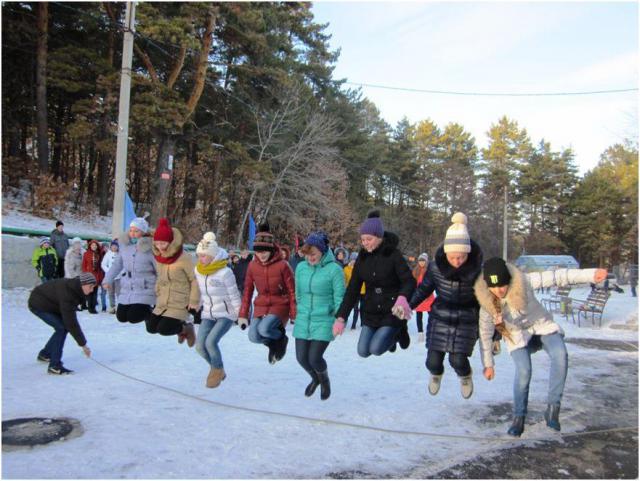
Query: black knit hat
496	273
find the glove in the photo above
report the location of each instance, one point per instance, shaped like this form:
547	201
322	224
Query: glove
197	315
243	323
401	308
338	327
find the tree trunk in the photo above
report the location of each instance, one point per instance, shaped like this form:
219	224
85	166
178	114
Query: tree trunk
190	186
90	169
41	85
164	173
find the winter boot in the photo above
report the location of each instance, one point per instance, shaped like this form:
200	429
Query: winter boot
313	385
434	384
272	352
215	377
325	385
280	348
551	416
393	346
517	427
403	337
188	333
466	386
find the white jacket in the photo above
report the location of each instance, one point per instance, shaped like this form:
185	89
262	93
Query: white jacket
522	313
73	263
219	293
107	261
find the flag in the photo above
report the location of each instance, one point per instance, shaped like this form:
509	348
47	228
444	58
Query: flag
129	213
252	232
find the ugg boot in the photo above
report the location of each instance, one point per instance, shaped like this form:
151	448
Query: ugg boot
551	416
434	384
325	385
313	385
466	386
517	427
215	377
188	333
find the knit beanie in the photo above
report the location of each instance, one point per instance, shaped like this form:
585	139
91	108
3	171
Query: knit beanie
208	245
372	225
424	256
163	231
76	240
114	242
264	240
44	240
457	238
318	239
140	223
496	273
87	278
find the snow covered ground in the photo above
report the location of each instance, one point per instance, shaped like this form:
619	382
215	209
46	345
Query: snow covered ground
133	429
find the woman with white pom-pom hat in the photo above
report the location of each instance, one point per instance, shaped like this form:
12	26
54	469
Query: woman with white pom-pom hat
453	320
220	299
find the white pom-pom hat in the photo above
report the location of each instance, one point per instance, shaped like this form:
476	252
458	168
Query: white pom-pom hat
457	238
208	245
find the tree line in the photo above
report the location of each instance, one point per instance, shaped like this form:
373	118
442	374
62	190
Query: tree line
236	104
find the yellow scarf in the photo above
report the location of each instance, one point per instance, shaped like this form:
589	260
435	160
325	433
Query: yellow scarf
211	268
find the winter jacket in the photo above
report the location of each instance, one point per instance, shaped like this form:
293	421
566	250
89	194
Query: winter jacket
61	297
348	271
45	262
522	313
387	276
107	260
418	275
453	319
73	263
176	286
219	292
240	271
319	293
91	261
138	268
276	289
60	242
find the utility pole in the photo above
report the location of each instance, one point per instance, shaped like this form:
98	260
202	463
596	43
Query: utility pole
123	122
505	223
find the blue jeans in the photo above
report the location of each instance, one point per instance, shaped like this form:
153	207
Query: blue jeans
53	347
376	341
103	298
209	334
265	329
554	345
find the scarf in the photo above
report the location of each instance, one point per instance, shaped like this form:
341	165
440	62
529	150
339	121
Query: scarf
211	268
169	260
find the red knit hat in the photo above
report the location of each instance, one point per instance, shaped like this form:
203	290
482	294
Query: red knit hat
163	231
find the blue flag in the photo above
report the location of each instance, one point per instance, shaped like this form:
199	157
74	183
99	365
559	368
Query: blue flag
129	213
252	232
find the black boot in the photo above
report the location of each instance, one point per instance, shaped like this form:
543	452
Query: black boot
313	385
517	427
403	337
551	416
271	356
280	348
325	385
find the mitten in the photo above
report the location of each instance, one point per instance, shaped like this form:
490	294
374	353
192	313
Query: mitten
338	327
401	308
243	323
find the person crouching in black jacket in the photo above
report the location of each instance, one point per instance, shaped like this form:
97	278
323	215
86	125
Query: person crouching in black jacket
389	285
453	320
55	303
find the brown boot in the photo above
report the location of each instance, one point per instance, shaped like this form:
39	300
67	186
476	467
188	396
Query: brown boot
215	377
188	333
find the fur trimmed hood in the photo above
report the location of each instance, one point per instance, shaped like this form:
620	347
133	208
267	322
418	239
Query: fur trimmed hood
173	248
516	297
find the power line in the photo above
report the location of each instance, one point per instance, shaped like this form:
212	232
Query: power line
492	94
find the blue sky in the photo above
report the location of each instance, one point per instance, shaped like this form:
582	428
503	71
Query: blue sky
495	47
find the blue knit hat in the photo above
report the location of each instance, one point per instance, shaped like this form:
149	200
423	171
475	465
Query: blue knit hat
318	239
372	225
44	240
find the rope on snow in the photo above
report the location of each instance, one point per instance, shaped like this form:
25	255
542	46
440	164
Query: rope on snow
359	426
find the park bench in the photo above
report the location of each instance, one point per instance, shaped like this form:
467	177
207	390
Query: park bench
557	299
594	304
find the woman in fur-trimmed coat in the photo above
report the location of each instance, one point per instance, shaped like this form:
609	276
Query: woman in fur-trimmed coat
507	300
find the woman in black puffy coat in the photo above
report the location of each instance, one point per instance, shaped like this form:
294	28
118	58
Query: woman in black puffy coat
453	320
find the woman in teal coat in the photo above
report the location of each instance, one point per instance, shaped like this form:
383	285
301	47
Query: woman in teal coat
319	293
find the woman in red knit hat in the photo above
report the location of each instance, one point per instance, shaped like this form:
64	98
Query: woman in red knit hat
176	286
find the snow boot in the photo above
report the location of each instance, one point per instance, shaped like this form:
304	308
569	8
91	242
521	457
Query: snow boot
313	385
188	333
280	345
215	377
392	348
403	337
271	356
466	386
551	416
517	427
325	385
434	384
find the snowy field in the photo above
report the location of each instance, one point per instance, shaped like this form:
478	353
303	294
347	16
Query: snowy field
133	429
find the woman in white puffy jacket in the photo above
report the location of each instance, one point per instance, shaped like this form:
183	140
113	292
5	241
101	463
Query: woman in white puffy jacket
508	304
73	258
220	301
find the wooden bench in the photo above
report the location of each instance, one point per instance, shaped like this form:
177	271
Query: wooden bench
557	298
594	304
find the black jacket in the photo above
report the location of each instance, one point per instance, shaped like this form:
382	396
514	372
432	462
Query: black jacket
61	296
240	271
453	320
387	276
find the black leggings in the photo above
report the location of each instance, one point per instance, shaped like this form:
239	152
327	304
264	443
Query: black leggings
459	362
419	321
133	313
165	326
357	308
309	355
